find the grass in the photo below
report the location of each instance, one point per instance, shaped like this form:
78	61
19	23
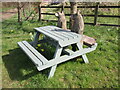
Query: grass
19	72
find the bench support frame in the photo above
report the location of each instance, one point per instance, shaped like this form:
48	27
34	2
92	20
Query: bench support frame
56	59
56	55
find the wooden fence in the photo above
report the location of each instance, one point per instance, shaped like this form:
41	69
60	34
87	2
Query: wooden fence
95	13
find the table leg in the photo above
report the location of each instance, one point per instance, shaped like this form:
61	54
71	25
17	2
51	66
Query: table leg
56	55
36	37
84	55
85	58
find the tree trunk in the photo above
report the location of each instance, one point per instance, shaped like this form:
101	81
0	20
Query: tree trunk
19	11
73	11
73	7
63	5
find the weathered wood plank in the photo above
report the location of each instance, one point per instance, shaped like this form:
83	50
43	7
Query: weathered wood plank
53	33
35	52
62	32
80	6
88	40
48	34
69	42
58	33
65	32
68	32
35	60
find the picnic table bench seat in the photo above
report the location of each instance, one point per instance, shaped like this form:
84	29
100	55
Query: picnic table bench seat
33	54
61	38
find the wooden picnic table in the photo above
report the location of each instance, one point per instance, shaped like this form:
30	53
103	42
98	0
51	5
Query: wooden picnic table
61	39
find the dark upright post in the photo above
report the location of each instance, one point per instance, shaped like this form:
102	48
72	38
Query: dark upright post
96	14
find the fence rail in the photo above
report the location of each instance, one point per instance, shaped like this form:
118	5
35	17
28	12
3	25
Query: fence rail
80	6
96	16
116	16
85	23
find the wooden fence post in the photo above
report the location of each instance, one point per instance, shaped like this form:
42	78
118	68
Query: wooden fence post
39	10
96	13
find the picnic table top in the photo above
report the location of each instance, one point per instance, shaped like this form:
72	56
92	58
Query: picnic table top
58	34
